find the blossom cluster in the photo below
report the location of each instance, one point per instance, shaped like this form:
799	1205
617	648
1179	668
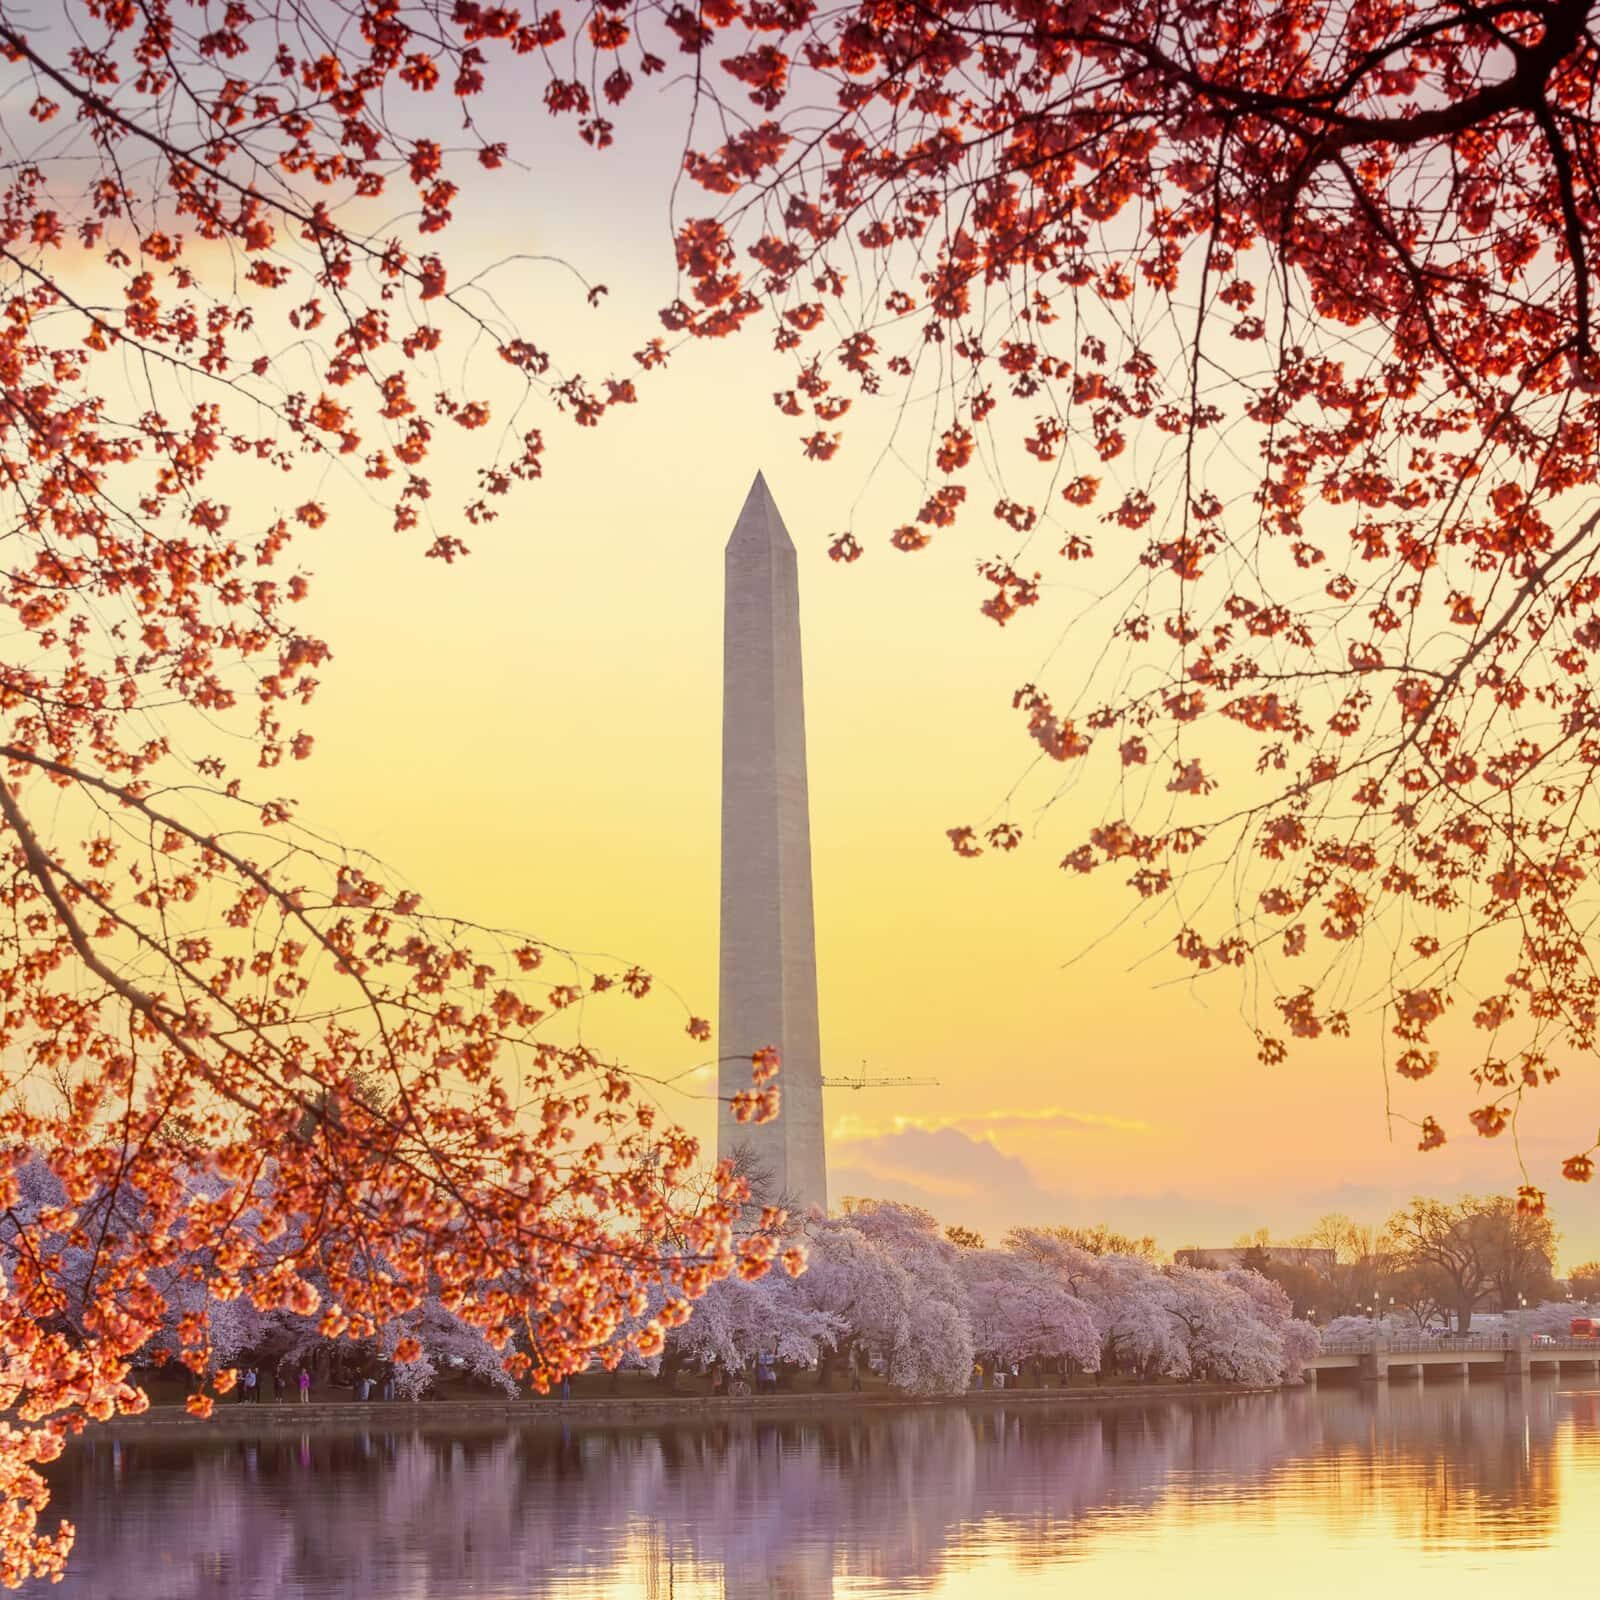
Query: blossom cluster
884	1289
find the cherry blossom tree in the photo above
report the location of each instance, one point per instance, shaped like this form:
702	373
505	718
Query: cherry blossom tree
879	1286
1272	329
1020	1310
1554	1318
442	1342
1358	1329
932	1350
1234	1326
1221	1334
1087	243
860	1282
1135	1323
1272	1307
738	1319
1122	1293
225	278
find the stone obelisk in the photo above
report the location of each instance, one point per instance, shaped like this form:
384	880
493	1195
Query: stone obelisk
769	958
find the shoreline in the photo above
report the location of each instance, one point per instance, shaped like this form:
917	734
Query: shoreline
241	1421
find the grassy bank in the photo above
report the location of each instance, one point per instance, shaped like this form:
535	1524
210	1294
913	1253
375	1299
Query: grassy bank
243	1421
611	1388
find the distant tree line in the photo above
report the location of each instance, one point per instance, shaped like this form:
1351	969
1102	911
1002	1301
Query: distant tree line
1435	1262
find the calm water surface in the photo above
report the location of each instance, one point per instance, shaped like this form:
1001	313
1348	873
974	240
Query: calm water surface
1463	1490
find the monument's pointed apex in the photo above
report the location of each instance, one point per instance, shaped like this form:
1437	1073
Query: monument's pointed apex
759	519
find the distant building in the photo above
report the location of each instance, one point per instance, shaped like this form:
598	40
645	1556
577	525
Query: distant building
1290	1255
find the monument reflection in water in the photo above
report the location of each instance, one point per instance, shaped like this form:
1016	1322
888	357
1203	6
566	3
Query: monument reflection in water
1481	1489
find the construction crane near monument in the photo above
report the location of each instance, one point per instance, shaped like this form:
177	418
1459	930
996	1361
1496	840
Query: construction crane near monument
862	1081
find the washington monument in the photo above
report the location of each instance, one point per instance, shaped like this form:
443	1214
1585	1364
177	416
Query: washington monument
769	957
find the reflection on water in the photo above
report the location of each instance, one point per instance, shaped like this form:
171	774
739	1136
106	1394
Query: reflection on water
1480	1486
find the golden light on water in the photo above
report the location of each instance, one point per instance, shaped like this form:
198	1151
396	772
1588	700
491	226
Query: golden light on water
1483	1488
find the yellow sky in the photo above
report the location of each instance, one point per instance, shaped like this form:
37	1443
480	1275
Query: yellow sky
532	737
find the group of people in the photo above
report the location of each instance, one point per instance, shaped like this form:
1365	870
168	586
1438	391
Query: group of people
766	1376
250	1385
1005	1377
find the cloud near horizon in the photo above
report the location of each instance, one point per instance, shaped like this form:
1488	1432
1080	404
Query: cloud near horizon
946	1171
852	1129
968	1180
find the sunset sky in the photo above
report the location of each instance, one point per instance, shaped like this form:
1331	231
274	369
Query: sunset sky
531	737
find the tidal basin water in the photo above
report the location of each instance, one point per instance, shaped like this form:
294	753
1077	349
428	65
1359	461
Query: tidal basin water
1488	1488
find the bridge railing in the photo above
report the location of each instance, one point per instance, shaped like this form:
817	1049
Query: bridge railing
1411	1347
1450	1344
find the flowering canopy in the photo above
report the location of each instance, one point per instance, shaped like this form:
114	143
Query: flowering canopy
1287	312
882	1288
246	1071
1290	307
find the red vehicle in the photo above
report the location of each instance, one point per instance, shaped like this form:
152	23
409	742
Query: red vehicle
1585	1328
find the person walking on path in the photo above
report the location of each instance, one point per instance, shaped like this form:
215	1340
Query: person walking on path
305	1386
247	1392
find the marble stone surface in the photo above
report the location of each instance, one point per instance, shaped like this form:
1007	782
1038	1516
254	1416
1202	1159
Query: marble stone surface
768	974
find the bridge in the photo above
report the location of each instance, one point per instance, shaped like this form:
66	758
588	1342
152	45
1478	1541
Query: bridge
1511	1356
